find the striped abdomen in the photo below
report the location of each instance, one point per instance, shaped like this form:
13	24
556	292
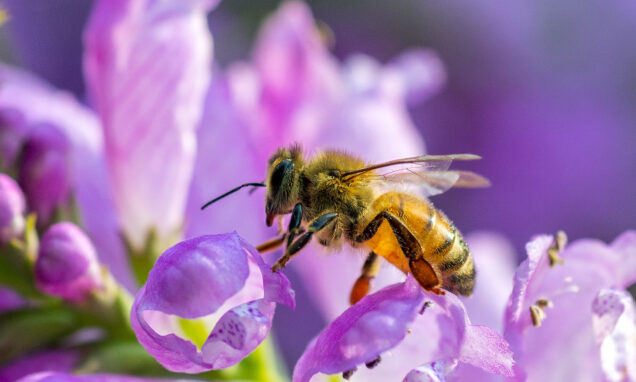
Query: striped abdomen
433	236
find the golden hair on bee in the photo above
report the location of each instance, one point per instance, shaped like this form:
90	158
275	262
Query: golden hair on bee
338	198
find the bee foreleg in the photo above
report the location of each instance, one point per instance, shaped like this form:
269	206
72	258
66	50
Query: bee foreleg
316	225
271	244
362	285
294	223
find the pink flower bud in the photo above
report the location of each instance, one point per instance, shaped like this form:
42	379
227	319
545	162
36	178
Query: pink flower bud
11	209
67	263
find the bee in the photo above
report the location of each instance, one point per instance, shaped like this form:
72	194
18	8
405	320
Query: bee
339	199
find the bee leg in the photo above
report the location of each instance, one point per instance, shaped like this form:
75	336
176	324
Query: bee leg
271	244
411	248
362	285
294	223
315	226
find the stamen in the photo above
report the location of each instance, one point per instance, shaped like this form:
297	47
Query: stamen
537	315
537	311
425	306
374	363
409	331
347	374
560	241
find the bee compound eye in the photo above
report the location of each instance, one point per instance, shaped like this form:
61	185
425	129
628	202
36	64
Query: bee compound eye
334	173
279	173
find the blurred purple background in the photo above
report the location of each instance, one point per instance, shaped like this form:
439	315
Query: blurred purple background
544	91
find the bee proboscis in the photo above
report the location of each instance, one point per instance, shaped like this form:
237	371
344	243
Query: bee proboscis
339	199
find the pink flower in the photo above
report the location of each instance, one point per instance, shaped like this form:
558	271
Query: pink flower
147	65
557	316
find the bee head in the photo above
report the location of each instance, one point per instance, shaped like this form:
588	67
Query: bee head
282	182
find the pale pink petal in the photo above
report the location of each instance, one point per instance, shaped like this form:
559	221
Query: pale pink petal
148	66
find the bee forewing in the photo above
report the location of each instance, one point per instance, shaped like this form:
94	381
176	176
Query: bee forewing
430	183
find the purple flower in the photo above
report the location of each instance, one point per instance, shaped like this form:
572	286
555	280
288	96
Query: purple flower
554	311
48	361
404	319
32	104
10	300
147	65
67	265
219	278
44	170
11	209
52	376
12	130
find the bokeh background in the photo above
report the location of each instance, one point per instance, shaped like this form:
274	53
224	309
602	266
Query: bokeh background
544	91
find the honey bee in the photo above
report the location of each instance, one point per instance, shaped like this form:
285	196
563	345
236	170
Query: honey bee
338	198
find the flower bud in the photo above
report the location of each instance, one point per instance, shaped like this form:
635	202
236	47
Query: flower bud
67	263
44	170
11	209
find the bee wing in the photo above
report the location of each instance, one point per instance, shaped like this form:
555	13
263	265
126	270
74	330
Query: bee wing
428	183
424	162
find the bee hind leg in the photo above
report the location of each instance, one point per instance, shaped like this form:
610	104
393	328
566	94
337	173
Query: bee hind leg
362	285
410	246
316	225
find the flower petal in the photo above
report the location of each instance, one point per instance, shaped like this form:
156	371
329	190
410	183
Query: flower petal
421	73
562	289
148	66
433	372
625	247
221	277
372	326
615	327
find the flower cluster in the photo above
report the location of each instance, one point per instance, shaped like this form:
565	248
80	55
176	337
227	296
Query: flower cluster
102	200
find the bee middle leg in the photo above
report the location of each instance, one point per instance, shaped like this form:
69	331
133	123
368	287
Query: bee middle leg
411	248
316	225
362	285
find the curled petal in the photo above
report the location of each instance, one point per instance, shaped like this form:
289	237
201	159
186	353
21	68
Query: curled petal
614	315
148	66
220	278
53	376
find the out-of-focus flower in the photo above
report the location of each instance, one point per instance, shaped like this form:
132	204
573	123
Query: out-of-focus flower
44	170
67	265
12	131
219	278
10	300
554	311
52	376
48	361
28	103
11	209
398	318
614	323
147	65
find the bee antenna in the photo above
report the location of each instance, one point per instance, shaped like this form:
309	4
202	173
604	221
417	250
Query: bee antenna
231	192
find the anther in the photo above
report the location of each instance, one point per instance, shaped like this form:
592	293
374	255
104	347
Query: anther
425	306
374	363
347	374
560	240
537	311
